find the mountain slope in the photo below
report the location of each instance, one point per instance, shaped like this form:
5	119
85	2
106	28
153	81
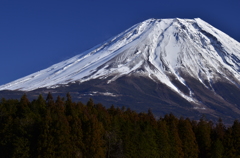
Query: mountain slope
157	46
190	58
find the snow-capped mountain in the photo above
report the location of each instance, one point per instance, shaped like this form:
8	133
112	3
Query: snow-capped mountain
179	54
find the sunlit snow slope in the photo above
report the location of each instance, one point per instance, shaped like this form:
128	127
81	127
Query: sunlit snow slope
160	49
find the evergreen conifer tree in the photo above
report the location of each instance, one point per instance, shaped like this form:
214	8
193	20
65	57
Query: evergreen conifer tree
189	143
175	142
75	124
163	139
203	136
236	137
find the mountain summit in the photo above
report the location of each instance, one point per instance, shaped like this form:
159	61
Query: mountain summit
189	58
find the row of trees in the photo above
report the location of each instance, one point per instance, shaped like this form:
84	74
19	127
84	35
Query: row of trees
62	128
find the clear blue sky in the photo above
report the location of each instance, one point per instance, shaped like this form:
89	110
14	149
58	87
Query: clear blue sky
36	34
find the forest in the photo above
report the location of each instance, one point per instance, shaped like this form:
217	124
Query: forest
49	128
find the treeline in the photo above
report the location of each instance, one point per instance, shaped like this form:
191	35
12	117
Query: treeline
61	128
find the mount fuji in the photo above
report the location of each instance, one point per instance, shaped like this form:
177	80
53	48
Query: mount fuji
183	66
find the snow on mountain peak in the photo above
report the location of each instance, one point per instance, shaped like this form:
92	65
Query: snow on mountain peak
156	48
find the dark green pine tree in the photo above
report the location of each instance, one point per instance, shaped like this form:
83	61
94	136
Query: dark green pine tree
61	130
55	135
38	108
163	139
49	98
72	112
175	142
90	103
147	145
21	143
217	149
130	133
93	137
23	108
203	136
93	131
46	145
113	133
189	143
228	143
103	116
23	127
219	130
236	137
8	110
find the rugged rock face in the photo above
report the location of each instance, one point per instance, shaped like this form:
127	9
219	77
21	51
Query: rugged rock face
183	66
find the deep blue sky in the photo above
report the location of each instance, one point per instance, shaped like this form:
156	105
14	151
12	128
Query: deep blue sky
36	34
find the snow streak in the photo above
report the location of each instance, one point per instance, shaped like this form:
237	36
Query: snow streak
160	49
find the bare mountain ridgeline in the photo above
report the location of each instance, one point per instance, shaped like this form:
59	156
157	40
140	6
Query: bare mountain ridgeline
183	66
